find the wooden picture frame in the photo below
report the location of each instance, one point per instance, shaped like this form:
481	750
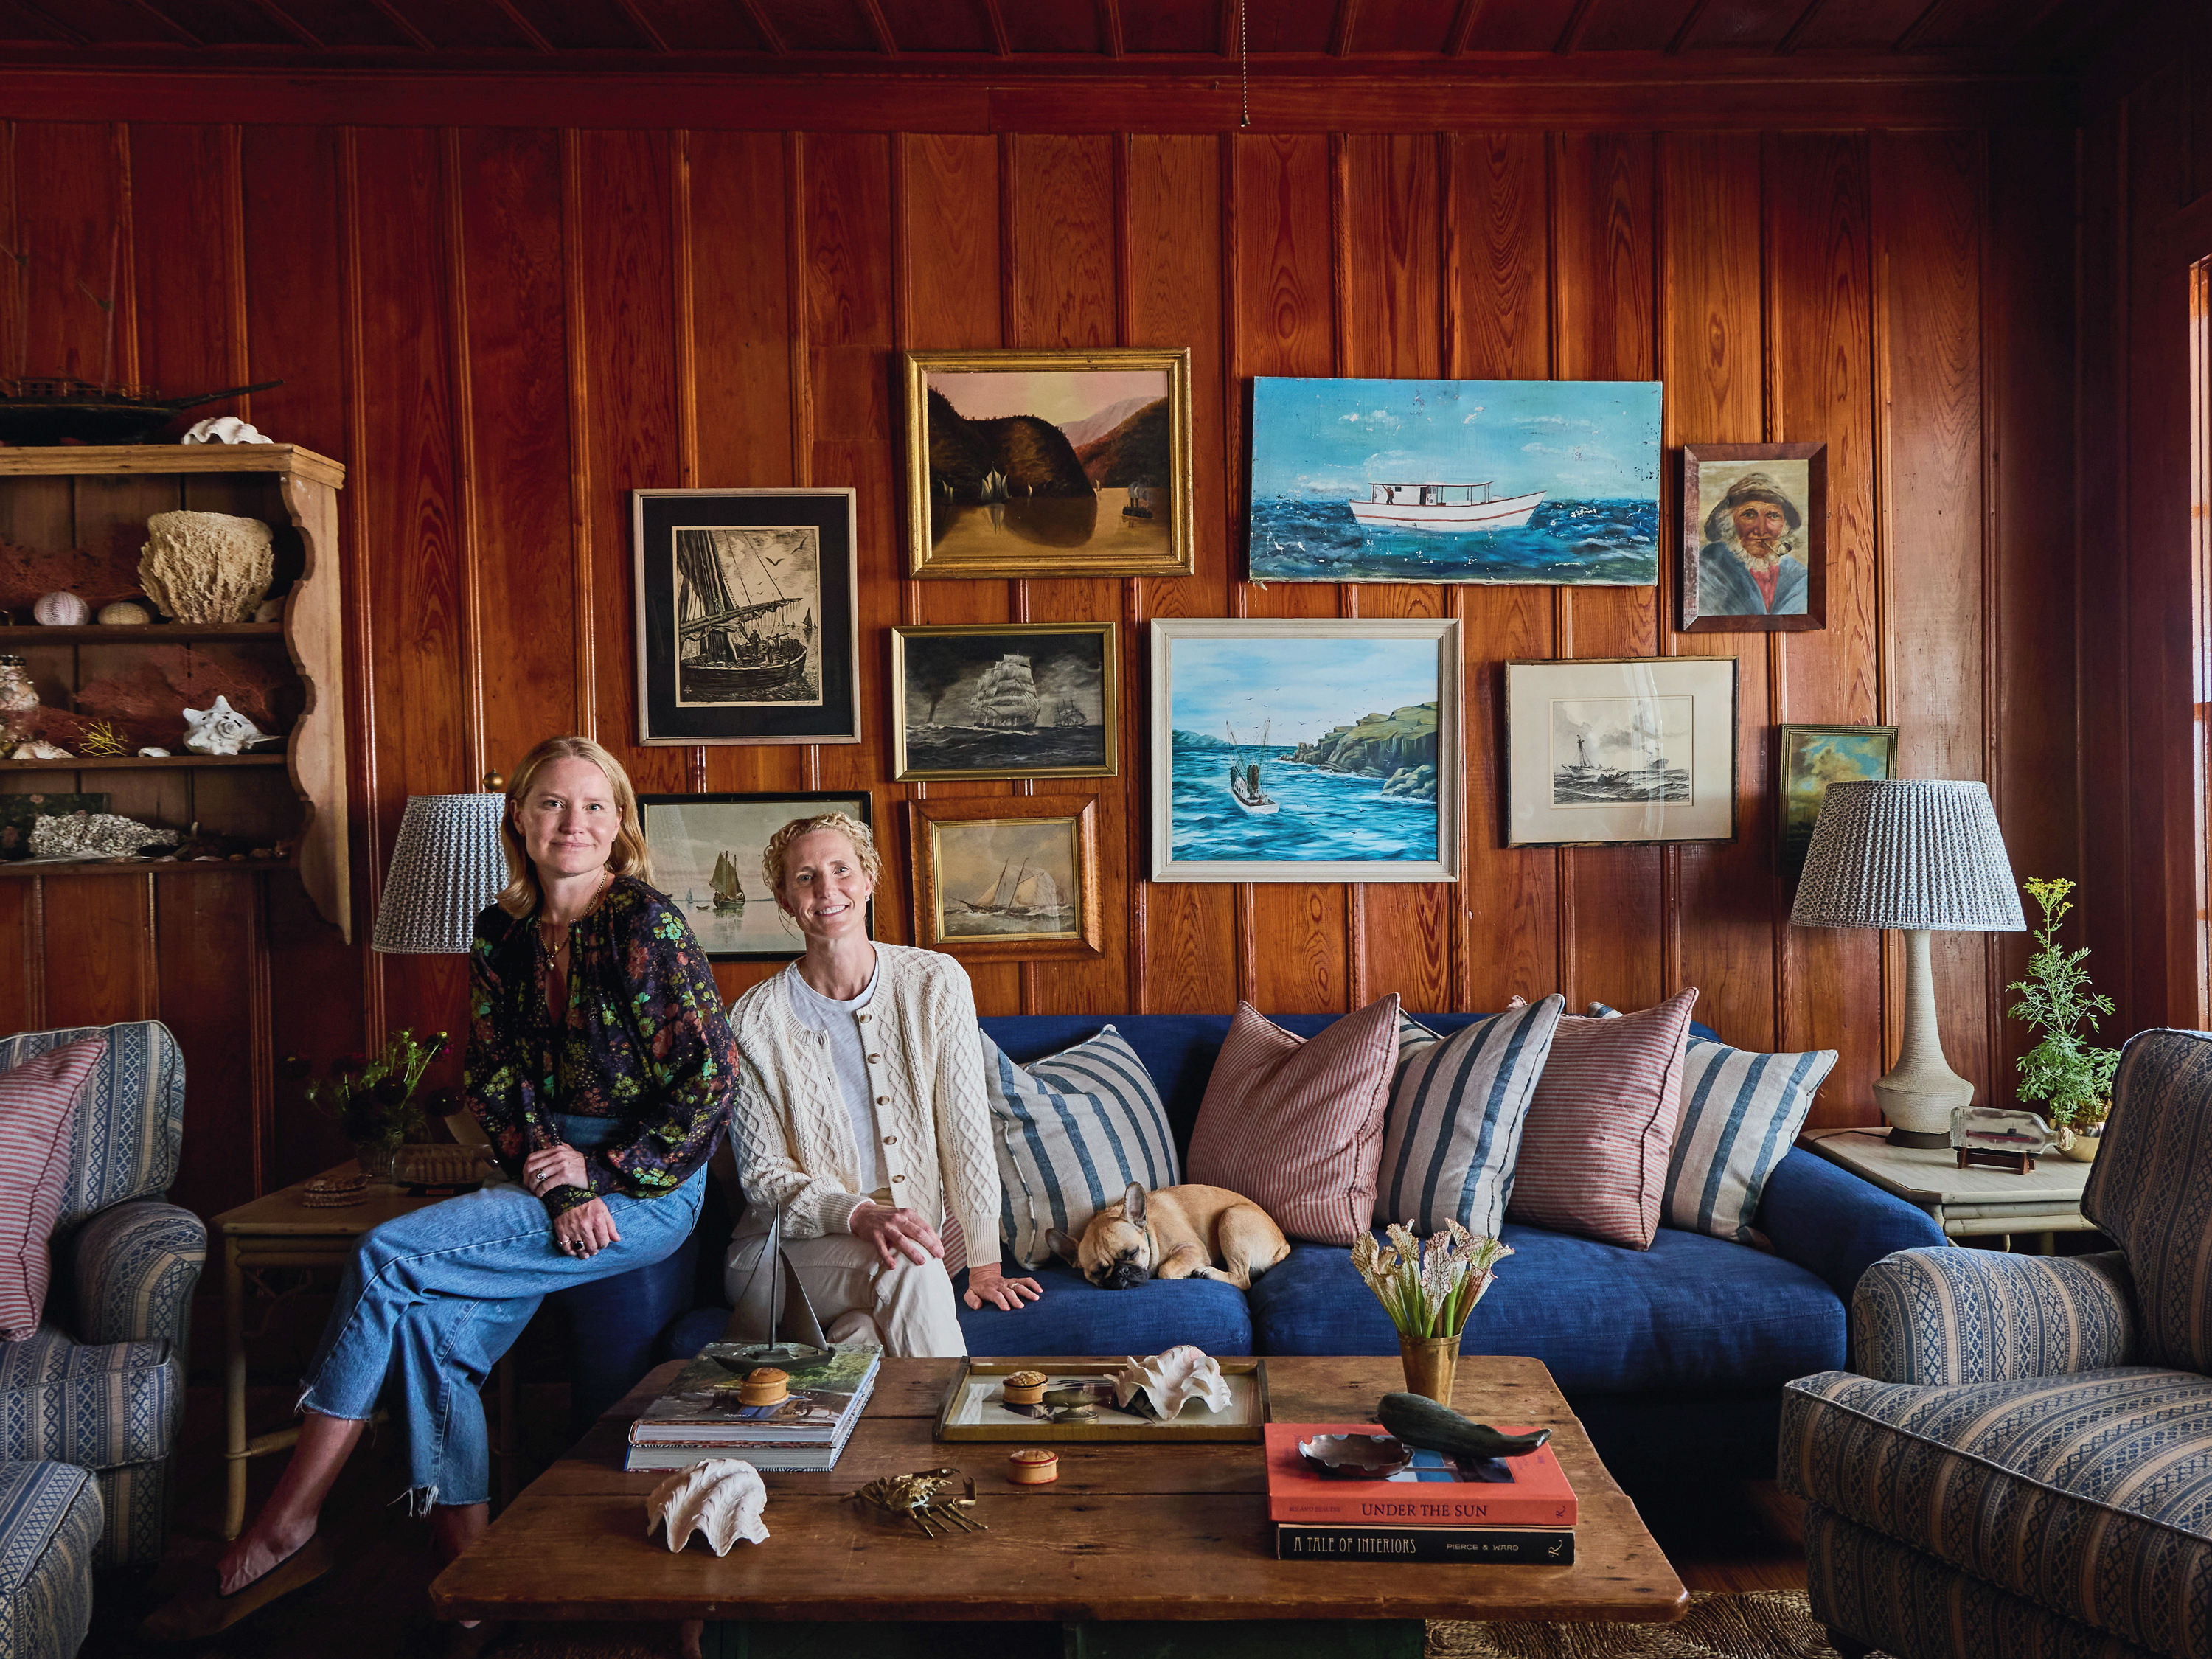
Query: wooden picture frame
1808	759
1245	1419
1057	709
1719	593
1044	846
1605	752
747	613
688	836
1049	464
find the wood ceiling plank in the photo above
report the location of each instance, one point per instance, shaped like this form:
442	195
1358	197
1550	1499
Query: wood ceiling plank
522	26
1418	27
1741	25
108	23
696	25
290	25
1051	29
462	25
587	25
22	20
1178	26
1109	28
1521	25
927	26
1856	25
1634	25
1288	26
823	25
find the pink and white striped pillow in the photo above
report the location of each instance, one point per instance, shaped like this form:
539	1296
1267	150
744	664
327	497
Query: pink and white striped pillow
1594	1148
1295	1125
38	1112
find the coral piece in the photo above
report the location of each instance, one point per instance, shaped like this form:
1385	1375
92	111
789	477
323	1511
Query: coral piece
220	730
94	576
206	567
123	613
721	1500
916	1497
163	680
60	609
1171	1380
102	739
39	749
95	835
224	429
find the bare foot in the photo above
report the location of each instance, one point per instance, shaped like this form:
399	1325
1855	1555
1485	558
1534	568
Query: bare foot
260	1548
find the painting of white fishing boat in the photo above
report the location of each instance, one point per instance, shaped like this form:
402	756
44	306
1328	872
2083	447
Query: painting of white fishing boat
1554	481
706	858
1021	699
1007	878
746	604
1608	750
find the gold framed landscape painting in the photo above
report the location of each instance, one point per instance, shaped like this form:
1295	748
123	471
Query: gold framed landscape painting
1007	878
1813	758
1049	464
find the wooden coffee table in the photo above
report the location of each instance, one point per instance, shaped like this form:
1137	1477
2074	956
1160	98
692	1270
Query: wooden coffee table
1113	1560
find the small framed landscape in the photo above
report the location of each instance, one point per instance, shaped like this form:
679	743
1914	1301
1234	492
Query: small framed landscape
1812	758
1006	700
748	630
706	858
1305	750
1606	751
1007	878
1064	463
1754	541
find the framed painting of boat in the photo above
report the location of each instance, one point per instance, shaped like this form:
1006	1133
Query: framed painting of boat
748	628
1007	878
1604	750
1291	750
1006	700
1754	543
706	858
1071	463
1554	481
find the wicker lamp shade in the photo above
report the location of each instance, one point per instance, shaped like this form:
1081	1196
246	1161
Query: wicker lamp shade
445	869
1911	853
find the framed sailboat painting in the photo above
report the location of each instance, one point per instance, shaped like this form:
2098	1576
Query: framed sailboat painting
748	628
1007	878
1006	700
706	858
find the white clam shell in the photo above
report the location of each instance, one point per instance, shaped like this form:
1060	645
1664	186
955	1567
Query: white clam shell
720	1499
1172	1379
224	429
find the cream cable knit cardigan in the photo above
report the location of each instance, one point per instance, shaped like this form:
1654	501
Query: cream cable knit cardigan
794	1137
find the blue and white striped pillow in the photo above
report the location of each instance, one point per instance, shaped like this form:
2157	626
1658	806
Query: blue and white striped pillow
1740	1114
1454	1129
1072	1131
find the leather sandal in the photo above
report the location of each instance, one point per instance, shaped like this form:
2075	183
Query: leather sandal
195	1616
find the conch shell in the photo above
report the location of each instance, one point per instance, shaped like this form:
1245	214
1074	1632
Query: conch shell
721	1500
1170	1380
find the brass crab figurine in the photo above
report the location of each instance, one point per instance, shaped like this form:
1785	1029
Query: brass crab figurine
915	1497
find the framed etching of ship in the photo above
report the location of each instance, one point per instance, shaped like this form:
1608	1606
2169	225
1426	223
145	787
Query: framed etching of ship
1007	878
1305	750
1553	481
706	858
1006	700
748	628
1048	463
1600	751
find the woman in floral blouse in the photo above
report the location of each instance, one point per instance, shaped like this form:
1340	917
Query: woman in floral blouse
601	1066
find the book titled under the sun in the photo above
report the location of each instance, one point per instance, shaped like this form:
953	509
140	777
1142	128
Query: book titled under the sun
1434	1489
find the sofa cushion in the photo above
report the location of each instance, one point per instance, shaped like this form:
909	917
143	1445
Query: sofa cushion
1689	1310
1074	1316
2086	1493
50	1522
38	1108
119	1402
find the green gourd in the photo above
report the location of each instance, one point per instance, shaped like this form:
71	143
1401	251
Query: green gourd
1418	1421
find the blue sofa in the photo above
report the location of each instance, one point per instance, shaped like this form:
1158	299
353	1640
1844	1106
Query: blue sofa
1673	1357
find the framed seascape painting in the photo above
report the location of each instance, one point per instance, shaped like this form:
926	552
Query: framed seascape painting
1812	758
1554	481
1007	878
706	858
1048	463
748	630
1006	700
1611	750
1754	546
1305	750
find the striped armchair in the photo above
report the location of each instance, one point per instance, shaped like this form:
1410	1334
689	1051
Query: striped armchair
101	1383
2022	1465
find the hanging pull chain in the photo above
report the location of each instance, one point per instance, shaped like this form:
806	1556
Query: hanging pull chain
1244	61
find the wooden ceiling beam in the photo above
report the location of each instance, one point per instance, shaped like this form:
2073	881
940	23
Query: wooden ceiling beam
522	26
1339	30
1796	33
1463	28
1689	32
762	26
400	20
1232	18
880	26
1916	31
46	15
1001	43
291	26
184	36
1109	28
646	30
1571	36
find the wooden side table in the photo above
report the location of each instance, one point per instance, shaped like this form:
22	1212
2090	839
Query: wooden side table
280	1230
1979	1202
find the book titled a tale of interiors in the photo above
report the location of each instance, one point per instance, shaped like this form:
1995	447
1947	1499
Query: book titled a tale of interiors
1437	1508
700	1415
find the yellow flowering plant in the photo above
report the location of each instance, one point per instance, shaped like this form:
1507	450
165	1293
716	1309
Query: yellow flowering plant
1430	1286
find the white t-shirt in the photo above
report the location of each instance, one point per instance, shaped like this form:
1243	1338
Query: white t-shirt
835	1020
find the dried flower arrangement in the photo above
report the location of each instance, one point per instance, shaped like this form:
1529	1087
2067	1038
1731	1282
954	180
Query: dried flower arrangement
1428	1287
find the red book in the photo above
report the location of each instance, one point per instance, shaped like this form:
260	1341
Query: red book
1435	1491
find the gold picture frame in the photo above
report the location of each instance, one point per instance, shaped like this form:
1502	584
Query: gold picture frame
1049	462
959	1417
1065	685
1041	902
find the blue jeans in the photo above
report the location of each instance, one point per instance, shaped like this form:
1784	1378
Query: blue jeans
434	1298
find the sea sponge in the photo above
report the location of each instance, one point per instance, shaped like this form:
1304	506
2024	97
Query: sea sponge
206	567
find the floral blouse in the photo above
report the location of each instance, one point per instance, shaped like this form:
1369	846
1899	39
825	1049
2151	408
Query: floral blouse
643	1041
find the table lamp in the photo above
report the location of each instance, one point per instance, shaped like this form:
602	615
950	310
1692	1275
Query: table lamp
1914	855
447	867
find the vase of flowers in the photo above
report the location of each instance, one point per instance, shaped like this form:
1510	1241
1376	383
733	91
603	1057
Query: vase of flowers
2064	1070
1429	1287
373	1097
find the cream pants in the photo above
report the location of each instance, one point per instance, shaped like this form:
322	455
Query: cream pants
908	1308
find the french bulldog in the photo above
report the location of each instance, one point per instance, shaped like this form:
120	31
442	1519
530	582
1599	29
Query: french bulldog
1177	1232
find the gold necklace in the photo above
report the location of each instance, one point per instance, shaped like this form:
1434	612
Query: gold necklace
556	941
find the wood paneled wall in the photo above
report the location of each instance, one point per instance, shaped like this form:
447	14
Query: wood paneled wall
502	329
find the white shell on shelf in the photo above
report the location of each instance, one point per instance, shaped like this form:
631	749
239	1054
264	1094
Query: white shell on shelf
219	729
1171	1380
154	754
39	749
224	429
59	609
720	1499
123	613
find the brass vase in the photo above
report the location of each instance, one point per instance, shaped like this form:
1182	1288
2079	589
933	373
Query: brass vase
1431	1363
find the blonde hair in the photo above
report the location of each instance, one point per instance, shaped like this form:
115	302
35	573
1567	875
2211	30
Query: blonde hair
862	840
628	855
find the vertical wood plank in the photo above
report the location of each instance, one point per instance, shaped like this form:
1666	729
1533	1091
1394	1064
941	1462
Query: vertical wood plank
72	193
185	211
207	945
98	949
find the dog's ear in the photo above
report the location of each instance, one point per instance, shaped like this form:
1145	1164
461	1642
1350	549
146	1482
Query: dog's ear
1133	1204
1062	1245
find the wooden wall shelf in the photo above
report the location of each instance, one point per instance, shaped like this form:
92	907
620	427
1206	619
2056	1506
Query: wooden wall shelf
146	633
134	762
142	867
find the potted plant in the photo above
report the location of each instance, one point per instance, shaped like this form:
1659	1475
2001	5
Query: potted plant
2064	1069
374	1098
1429	1288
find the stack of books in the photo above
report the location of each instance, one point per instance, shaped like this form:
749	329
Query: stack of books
702	1416
1513	1509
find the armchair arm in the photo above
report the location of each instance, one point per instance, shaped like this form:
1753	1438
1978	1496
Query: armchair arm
1951	1317
1829	1221
134	1266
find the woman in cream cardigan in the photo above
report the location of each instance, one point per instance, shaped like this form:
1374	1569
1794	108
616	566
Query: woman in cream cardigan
862	1116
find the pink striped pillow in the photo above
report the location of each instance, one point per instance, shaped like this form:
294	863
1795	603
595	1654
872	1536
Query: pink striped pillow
1295	1125
1594	1147
37	1110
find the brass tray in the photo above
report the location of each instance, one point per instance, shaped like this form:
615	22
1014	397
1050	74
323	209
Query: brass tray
967	1411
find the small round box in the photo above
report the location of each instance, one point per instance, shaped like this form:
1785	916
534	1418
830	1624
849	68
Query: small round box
765	1387
1032	1466
1025	1388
